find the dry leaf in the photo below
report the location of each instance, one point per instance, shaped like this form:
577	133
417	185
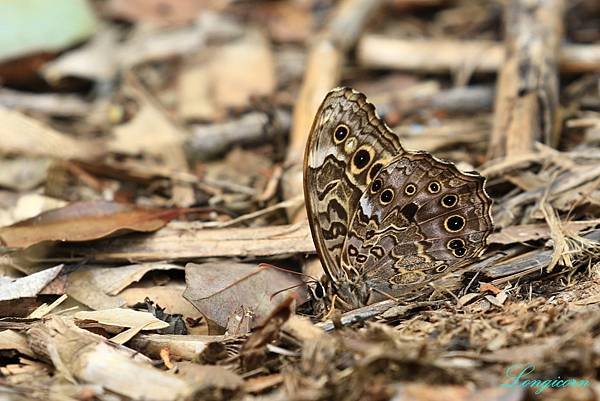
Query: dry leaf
168	296
218	289
113	280
94	61
489	287
28	286
23	173
26	136
84	221
253	352
27	206
123	318
128	334
150	132
210	379
235	73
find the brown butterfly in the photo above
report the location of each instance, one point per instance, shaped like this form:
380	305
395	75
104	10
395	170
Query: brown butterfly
385	221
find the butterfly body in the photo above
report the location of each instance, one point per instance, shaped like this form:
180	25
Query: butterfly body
385	220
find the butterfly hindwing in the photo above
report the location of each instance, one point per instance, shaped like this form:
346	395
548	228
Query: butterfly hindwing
419	218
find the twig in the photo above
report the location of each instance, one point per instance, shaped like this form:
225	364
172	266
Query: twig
208	140
377	51
527	87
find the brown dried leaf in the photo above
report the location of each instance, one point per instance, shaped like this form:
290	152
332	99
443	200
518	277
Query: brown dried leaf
218	289
84	221
427	392
262	383
113	280
236	72
489	287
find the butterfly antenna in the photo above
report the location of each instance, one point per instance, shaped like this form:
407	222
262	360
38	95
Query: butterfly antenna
270	266
284	290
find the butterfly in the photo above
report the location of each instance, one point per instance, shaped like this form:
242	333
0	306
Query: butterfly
385	221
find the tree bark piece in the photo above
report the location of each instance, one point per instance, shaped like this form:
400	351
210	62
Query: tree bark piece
183	243
526	108
376	51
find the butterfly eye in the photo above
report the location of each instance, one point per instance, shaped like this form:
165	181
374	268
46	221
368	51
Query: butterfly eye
410	189
376	186
386	196
317	290
449	200
454	223
434	187
341	132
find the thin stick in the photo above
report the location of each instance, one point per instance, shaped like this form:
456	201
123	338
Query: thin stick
376	51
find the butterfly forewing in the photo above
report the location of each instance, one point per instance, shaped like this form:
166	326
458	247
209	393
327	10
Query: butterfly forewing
347	146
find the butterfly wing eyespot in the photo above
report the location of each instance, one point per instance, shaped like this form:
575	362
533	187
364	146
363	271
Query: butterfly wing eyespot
374	169
341	133
434	187
455	243
376	185
361	159
410	189
454	223
386	196
459	252
449	200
